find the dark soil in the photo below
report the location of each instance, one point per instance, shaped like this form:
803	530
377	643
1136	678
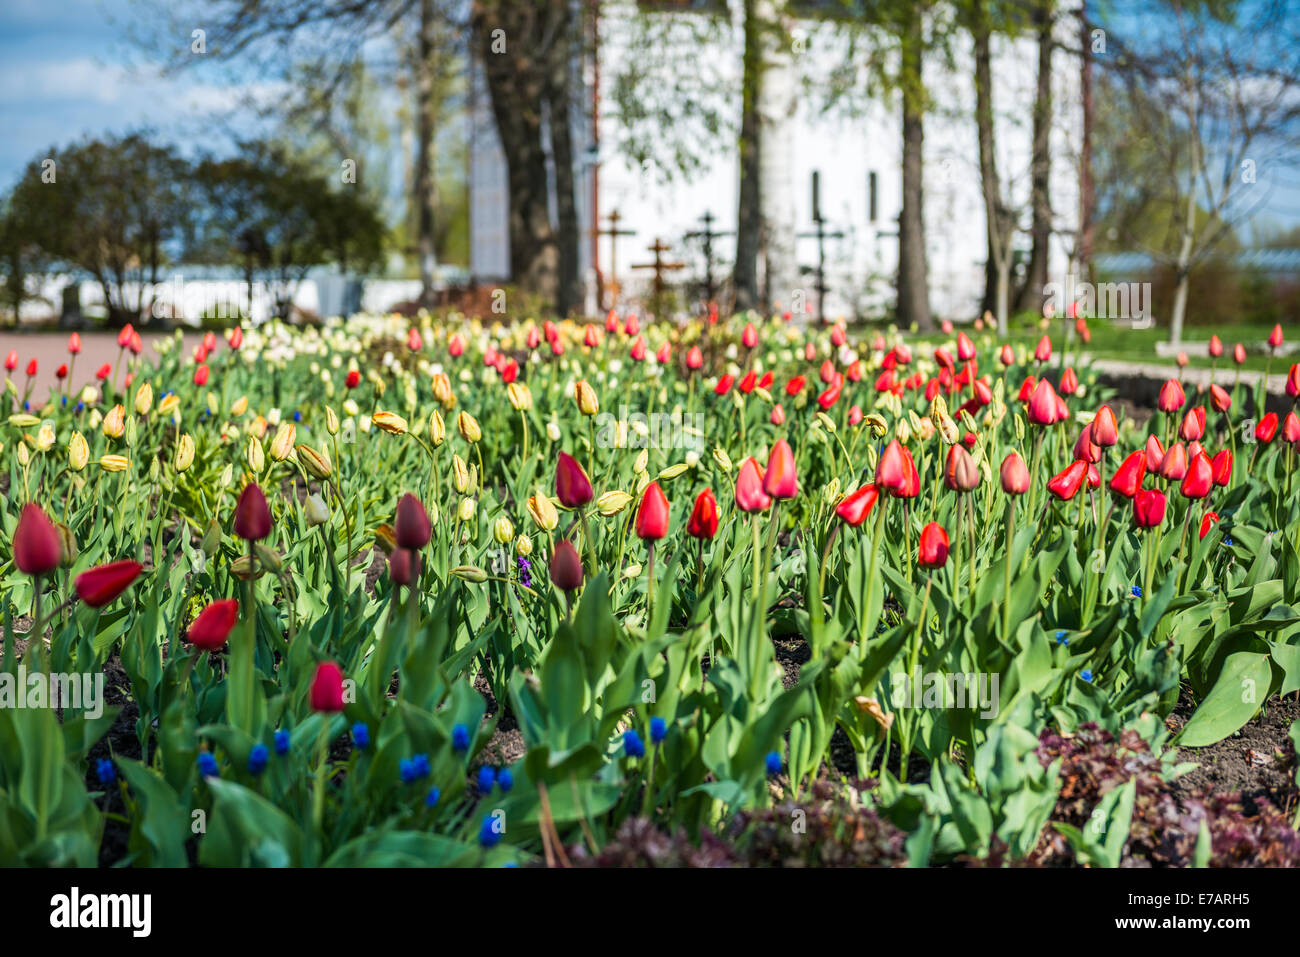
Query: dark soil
1258	762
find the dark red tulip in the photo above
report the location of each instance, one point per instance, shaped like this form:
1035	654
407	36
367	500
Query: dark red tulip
703	522
652	516
353	379
572	487
566	567
36	543
1014	475
411	525
403	566
210	630
252	516
327	688
99	585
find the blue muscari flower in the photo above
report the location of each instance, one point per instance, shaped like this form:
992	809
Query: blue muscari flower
1228	542
510	864
488	835
431	799
105	771
773	762
65	401
297	415
208	765
1086	675
360	736
1137	591
505	780
487	776
1061	639
407	769
27	407
414	768
282	743
633	746
658	729
257	759
81	407
460	738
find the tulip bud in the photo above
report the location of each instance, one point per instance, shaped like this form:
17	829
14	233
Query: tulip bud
543	512
524	545
503	530
254	455
465	511
269	558
68	550
468	427
469	573
36	547
932	550
315	463
412	528
114	463
611	503
521	398
586	398
572	486
169	404
252	516
326	693
211	629
437	429
390	422
315	510
1014	475
144	399
245	568
24	456
211	538
241	406
78	452
282	443
184	453
442	391
331	421
115	422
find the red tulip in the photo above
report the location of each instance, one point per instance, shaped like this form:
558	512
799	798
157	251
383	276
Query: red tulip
838	336
724	384
895	469
327	688
694	358
455	346
638	349
1291	428
534	340
552	333
31	367
750	496
11	360
960	473
1043	351
1293	381
944	358
1220	399
778	415
1155	453
1216	347
403	566
855	414
235	337
781	479
1066	484
411	526
99	585
902	354
35	543
591	338
1222	468
750	336
611	322
572	486
1174	465
1199	480
832	393
1207	522
1104	430
136	344
201	375
1267	428
664	355
1171	397
1149	507
353	379
1014	474
965	348
414	341
124	336
74	343
1239	353
1027	388
61	372
703	522
1007	355
746	384
652	516
1043	405
210	630
856	506
252	516
1085	449
566	567
1069	382
1275	337
932	551
1193	426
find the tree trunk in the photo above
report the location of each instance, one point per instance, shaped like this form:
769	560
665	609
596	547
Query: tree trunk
1040	231
998	229
517	89
425	188
568	295
749	212
1087	189
778	97
913	292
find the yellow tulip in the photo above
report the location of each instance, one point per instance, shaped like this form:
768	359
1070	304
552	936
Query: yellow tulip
282	444
114	463
78	452
314	463
144	399
390	422
468	426
543	512
586	398
184	453
115	422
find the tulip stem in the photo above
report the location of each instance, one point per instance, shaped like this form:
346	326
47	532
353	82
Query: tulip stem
871	576
1006	583
826	553
322	753
913	662
970	531
650	585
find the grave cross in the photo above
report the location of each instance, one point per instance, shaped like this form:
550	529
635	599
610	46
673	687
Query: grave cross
658	247
613	232
708	235
821	234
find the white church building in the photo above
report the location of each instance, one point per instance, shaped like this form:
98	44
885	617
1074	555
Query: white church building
854	150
